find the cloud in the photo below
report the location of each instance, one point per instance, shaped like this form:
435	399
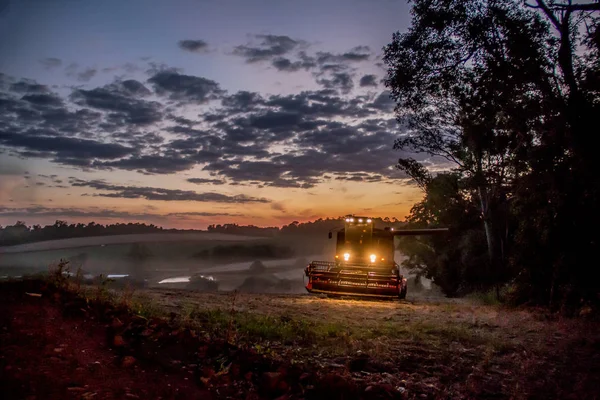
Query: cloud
43	100
383	102
51	62
150	193
202	214
151	163
122	100
270	46
73	70
193	46
28	86
286	65
245	138
357	54
185	88
62	149
368	80
40	211
342	81
202	181
86	75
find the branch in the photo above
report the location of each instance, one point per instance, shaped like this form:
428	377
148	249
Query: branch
577	7
549	13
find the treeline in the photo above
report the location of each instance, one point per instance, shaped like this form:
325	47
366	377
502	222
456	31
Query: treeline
508	93
20	233
319	226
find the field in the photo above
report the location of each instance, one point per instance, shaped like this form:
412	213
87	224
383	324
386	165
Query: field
63	341
295	346
169	255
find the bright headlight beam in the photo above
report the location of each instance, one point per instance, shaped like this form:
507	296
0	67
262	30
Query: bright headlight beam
373	258
369	221
346	256
360	220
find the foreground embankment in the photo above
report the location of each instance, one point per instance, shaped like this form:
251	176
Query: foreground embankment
61	340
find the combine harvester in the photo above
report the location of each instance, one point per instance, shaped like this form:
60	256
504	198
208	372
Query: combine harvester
364	262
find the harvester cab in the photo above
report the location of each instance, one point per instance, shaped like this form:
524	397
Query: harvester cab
364	262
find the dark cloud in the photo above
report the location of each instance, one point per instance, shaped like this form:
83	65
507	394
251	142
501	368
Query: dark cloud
51	62
202	181
149	193
185	88
286	65
368	80
134	87
86	75
202	214
246	138
28	86
270	46
73	70
64	150
357	54
341	81
39	211
121	99
383	102
242	101
43	100
151	163
194	46
181	120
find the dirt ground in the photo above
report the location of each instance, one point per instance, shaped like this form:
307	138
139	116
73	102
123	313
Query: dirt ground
421	348
46	355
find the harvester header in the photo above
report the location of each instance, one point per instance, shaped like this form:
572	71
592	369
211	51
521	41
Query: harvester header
364	261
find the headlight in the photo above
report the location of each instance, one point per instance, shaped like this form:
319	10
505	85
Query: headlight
369	221
346	256
360	220
373	258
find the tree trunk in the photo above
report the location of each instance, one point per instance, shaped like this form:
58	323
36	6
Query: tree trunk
486	221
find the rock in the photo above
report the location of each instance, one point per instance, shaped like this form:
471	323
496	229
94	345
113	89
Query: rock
118	341
128	361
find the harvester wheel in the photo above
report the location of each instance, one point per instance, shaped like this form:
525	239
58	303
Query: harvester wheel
402	294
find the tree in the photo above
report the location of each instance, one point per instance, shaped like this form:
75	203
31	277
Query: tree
459	75
456	262
491	88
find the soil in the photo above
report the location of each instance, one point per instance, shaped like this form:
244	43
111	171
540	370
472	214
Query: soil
49	354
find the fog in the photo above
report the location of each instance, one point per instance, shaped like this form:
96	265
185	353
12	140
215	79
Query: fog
179	260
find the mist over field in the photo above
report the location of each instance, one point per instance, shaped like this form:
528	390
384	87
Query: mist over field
175	260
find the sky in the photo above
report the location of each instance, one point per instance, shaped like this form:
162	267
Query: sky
185	113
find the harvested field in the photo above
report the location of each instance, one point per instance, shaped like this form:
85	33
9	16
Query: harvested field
295	346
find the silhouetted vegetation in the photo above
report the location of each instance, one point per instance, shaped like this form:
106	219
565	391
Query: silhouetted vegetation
508	94
20	233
